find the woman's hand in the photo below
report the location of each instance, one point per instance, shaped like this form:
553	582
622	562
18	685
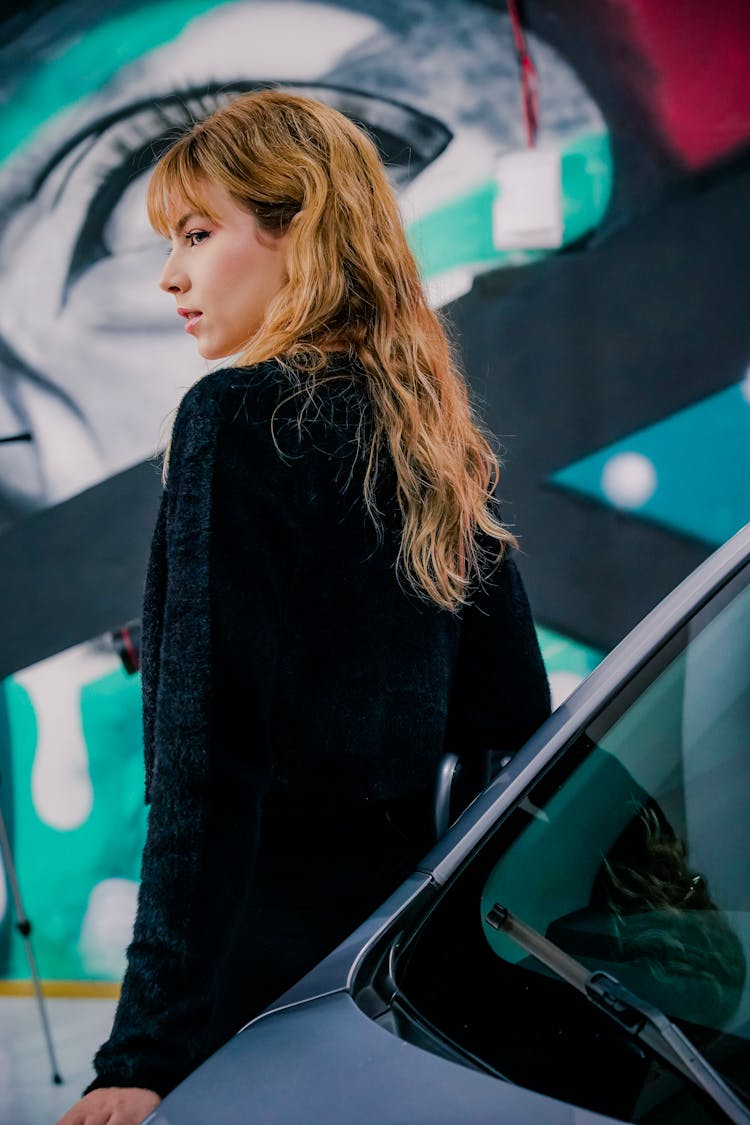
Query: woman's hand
112	1105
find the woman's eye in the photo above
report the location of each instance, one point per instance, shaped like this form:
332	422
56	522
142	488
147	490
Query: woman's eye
195	237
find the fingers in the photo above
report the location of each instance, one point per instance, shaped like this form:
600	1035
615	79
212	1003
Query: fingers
113	1105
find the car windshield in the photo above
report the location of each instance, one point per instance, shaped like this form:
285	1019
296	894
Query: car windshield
631	853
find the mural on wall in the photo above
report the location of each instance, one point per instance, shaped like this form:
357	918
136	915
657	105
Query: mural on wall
92	359
611	367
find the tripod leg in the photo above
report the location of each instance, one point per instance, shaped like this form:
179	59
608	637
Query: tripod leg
24	928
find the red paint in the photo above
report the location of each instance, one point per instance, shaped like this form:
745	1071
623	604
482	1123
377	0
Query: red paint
698	55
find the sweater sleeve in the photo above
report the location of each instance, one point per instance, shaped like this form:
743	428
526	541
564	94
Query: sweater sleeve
501	692
223	536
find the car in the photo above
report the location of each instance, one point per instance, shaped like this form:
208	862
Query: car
574	948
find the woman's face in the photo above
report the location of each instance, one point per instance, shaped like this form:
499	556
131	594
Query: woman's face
223	272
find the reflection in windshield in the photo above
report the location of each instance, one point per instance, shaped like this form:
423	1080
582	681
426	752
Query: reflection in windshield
665	922
647	916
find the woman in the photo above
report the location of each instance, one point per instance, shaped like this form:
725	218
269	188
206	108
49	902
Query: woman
330	603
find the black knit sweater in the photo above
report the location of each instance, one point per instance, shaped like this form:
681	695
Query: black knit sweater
283	663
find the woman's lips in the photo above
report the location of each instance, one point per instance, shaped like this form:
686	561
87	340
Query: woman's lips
192	316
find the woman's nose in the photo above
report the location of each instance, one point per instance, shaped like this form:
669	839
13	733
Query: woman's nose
173	279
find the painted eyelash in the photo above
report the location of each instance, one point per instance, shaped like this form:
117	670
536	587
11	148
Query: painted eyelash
131	133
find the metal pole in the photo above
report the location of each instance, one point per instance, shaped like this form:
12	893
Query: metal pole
23	925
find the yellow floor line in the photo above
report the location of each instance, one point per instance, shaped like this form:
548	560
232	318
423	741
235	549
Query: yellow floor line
84	989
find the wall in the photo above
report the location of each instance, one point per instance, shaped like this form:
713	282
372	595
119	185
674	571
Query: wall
613	367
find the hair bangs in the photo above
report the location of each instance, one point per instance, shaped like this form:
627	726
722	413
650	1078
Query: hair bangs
176	185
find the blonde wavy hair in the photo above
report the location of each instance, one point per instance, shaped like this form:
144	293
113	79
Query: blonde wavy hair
353	283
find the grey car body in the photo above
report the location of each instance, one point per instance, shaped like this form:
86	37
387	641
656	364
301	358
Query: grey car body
344	1045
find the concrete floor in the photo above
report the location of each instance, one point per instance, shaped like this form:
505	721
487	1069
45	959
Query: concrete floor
77	1026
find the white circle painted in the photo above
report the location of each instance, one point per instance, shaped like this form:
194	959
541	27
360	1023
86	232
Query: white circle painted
629	480
745	387
107	926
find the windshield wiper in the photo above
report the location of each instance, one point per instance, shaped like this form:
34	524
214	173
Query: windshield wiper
635	1016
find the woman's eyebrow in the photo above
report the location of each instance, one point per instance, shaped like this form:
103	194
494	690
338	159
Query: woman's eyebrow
186	219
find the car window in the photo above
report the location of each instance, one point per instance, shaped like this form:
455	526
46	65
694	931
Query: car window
631	853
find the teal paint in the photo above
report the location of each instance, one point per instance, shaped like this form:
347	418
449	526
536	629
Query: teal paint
57	869
701	456
460	232
564	654
88	63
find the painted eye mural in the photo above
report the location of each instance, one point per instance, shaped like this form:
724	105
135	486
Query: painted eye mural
612	367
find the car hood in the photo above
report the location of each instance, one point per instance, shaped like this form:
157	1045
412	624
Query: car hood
323	1060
